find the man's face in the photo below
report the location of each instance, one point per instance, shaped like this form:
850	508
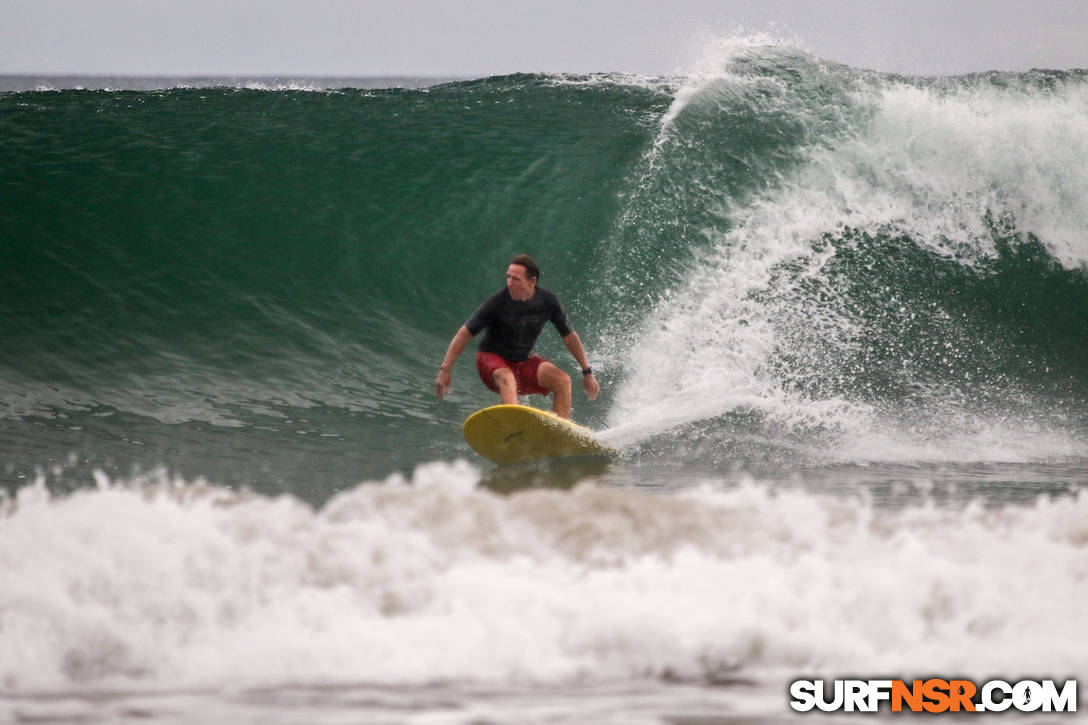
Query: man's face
518	282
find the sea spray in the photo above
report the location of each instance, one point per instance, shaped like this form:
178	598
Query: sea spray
914	264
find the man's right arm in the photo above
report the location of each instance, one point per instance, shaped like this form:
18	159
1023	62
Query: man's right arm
457	346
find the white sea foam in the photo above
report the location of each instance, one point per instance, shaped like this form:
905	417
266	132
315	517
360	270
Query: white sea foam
656	84
936	163
167	585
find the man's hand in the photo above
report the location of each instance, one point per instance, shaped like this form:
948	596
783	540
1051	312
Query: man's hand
442	382
591	385
457	345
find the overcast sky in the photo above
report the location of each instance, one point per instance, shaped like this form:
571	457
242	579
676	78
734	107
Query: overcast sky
486	37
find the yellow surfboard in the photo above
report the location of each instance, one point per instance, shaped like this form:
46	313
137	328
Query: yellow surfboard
516	433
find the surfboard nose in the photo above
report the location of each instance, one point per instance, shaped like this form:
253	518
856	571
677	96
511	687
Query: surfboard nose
517	433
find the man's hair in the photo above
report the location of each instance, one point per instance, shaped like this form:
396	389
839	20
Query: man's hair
530	266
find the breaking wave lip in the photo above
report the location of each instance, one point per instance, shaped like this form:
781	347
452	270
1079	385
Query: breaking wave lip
164	583
906	161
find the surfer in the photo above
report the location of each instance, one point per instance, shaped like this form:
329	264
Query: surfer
513	319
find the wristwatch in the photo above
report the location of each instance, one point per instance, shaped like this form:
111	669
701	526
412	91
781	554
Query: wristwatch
587	371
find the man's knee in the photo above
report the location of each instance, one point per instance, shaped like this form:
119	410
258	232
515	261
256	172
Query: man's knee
552	378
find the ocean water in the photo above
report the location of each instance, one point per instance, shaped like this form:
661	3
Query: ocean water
840	319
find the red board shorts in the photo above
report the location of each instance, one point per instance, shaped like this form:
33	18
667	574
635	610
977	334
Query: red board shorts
524	372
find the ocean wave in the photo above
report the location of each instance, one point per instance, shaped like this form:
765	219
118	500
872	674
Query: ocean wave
158	582
793	246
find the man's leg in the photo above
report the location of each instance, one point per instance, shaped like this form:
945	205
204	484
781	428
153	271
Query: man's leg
556	381
507	385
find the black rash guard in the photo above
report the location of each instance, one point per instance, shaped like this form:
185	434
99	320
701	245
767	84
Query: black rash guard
512	326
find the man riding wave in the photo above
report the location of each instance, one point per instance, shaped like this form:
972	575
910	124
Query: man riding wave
512	320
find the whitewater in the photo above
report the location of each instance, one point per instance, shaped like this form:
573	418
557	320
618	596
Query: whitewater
840	320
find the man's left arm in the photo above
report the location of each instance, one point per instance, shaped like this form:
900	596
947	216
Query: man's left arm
589	382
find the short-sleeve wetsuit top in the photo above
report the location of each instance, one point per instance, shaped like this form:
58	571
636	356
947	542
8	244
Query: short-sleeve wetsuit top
512	327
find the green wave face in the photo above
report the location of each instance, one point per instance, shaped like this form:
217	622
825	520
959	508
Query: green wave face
785	248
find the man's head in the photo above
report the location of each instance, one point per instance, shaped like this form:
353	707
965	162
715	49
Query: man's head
524	260
521	277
